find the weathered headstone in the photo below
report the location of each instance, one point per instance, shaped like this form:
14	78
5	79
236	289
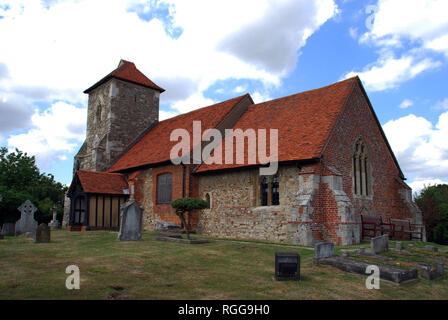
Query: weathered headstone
399	246
430	273
379	244
54	224
431	248
323	250
410	246
131	221
362	250
26	223
43	233
8	229
440	269
345	253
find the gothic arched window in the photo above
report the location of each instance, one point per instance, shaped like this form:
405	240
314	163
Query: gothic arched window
361	169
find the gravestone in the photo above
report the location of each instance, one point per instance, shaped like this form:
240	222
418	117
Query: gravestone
440	269
323	250
26	223
399	246
345	253
8	229
379	244
54	224
362	250
43	233
131	221
430	273
431	248
410	246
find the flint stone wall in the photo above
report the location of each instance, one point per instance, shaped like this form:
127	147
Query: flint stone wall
235	211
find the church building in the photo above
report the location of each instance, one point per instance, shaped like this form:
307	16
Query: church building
334	164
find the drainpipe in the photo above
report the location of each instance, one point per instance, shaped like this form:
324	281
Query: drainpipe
183	180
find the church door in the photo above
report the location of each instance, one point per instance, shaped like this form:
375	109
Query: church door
79	211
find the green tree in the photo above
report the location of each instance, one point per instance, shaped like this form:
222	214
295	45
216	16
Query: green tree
20	179
183	205
433	201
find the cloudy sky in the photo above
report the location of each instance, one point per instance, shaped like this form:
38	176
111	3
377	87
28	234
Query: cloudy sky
204	51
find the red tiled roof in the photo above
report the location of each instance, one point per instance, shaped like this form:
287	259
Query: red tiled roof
102	182
304	122
155	146
127	71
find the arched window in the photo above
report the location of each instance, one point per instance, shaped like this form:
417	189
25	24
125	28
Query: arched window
164	187
361	169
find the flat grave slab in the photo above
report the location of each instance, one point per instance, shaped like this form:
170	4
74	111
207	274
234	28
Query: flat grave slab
181	240
390	273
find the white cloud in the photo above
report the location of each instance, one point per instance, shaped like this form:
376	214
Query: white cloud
163	115
419	146
388	72
419	184
259	97
441	105
239	89
406	104
423	20
273	40
353	32
57	50
53	50
55	132
417	28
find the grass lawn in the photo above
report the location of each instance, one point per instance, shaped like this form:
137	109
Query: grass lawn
149	269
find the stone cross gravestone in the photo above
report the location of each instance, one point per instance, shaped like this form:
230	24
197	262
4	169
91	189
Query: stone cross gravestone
8	229
131	221
43	233
379	244
26	223
54	224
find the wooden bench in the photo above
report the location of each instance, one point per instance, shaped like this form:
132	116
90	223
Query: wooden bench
372	225
406	229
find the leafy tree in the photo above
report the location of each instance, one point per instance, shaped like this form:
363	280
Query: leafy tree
183	205
433	201
20	179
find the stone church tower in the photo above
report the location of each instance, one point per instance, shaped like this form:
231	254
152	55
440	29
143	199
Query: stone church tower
121	107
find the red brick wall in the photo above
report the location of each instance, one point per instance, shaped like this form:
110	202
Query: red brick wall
164	212
358	120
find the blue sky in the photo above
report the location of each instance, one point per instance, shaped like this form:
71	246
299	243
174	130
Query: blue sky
206	51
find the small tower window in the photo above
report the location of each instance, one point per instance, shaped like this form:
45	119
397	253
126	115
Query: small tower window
99	113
